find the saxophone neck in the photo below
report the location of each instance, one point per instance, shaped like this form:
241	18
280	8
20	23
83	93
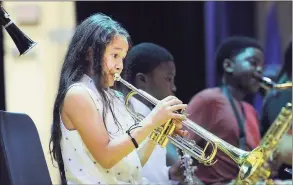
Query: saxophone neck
267	83
286	85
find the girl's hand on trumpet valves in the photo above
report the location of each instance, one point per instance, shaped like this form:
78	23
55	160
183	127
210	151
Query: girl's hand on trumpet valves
165	110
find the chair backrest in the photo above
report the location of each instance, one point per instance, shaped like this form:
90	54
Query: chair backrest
22	160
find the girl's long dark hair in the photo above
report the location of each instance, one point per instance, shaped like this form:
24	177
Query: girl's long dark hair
97	31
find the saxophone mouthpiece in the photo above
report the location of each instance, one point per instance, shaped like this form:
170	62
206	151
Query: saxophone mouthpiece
265	82
117	77
268	82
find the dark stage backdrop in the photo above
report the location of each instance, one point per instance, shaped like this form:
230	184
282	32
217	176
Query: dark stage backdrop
177	26
2	85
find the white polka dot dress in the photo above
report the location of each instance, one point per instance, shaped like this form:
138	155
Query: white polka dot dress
81	167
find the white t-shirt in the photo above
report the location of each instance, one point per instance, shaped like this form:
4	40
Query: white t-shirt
155	169
80	166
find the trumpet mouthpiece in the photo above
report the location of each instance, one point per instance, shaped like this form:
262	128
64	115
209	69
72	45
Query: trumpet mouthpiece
117	77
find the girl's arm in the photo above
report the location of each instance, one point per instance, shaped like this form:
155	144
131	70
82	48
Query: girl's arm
145	150
79	112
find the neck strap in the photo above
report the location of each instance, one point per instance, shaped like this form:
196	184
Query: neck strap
240	121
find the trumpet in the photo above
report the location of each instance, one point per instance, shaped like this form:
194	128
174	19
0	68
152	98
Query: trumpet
246	161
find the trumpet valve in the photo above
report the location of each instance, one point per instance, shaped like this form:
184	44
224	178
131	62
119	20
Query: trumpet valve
168	130
160	135
164	141
156	135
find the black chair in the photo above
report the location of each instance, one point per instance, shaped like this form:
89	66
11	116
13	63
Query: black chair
22	161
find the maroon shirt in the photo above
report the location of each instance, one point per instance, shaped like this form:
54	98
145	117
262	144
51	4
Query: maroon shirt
211	110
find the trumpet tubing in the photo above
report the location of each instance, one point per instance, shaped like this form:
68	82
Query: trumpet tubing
247	161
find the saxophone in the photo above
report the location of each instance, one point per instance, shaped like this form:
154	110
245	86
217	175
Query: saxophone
190	178
280	126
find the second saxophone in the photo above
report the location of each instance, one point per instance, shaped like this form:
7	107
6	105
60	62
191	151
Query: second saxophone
280	127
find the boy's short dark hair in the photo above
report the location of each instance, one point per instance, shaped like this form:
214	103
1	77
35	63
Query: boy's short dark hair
144	58
232	47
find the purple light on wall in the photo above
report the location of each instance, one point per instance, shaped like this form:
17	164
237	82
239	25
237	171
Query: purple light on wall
216	30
